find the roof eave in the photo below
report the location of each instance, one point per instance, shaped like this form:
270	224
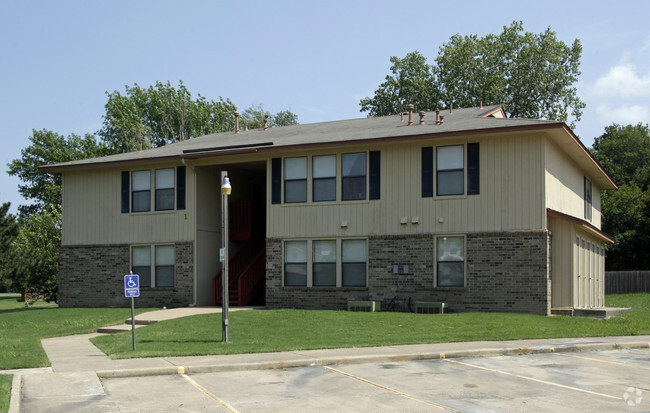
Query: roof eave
587	226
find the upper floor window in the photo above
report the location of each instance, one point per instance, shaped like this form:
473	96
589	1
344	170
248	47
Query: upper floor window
450	167
168	184
358	178
295	179
588	204
354	176
450	170
324	178
164	189
141	191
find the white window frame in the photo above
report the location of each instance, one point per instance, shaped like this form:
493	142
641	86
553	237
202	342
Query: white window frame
314	178
133	191
153	189
310	261
157	188
437	170
152	262
435	260
365	176
338	178
304	180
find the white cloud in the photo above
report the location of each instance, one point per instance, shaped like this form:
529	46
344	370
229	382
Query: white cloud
623	80
624	115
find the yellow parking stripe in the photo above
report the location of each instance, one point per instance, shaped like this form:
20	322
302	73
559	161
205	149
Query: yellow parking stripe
534	379
212	396
408	396
604	361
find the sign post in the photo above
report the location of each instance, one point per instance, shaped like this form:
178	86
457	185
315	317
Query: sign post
132	289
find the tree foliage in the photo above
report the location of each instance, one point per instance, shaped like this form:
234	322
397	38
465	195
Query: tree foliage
532	75
413	81
161	114
35	253
8	233
624	152
253	117
48	147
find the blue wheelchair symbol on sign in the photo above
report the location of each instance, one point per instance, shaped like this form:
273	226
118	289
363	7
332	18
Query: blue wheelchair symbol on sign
132	285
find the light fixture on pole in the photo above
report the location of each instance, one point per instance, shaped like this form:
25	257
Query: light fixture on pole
225	191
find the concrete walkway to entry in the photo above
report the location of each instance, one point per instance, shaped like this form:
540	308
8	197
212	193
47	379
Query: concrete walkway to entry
78	366
152	317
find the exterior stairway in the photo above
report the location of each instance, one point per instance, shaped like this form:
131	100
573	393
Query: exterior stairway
246	268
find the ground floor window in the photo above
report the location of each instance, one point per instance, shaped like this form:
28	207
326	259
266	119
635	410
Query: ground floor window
450	261
325	263
154	264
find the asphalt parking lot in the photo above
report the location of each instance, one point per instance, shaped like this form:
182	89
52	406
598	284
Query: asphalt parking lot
603	381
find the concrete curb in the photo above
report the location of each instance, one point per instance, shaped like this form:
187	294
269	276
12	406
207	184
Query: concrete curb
378	358
16	394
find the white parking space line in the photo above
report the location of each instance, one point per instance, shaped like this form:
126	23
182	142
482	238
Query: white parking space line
408	396
602	361
206	392
532	379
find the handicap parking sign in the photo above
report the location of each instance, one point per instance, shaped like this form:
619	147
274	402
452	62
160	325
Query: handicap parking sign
132	285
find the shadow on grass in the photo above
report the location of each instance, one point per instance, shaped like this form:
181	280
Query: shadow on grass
16	310
180	341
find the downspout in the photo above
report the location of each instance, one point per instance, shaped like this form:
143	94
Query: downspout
194	246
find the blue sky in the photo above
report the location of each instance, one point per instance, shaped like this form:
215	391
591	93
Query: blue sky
317	59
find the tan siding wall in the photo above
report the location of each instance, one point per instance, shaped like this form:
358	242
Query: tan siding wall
562	271
92	212
511	195
565	186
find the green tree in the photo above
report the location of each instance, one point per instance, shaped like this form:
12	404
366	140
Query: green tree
48	147
36	253
624	152
412	81
161	114
8	233
253	117
285	118
532	75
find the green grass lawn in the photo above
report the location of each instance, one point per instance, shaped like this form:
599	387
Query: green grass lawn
21	328
5	391
283	330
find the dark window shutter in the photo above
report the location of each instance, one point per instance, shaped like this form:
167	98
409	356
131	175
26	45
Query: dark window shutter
473	170
427	172
374	165
276	180
180	187
125	191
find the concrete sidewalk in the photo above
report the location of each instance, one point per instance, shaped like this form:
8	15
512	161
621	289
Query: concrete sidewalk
78	366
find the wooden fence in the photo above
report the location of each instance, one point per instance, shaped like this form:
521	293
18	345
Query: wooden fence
625	282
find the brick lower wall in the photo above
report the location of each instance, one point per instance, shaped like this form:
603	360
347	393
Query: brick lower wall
507	272
93	276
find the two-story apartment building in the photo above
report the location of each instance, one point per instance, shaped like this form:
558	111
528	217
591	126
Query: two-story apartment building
465	207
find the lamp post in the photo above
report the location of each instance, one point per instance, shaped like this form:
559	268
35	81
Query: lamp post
225	191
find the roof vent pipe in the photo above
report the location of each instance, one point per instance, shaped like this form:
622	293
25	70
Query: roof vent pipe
236	122
480	104
410	108
451	108
442	120
266	122
437	116
421	113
